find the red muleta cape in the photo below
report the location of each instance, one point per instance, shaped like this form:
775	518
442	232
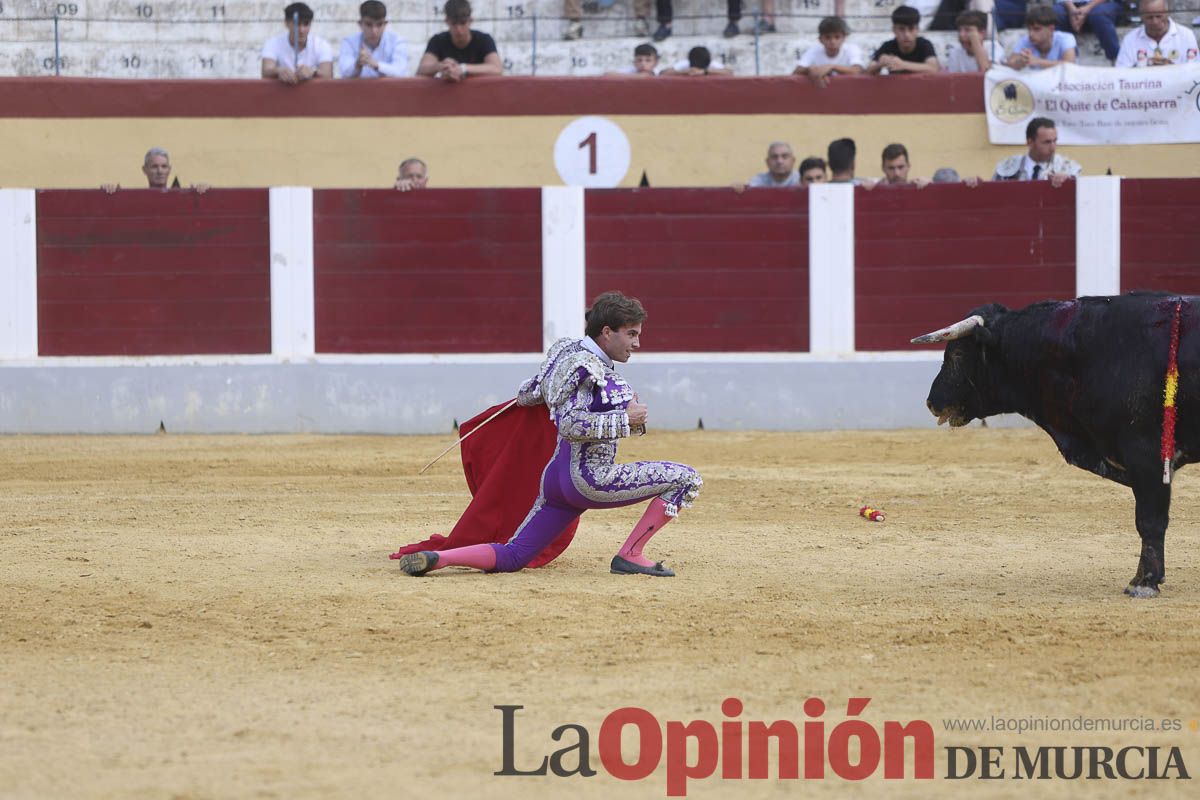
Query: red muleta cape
503	464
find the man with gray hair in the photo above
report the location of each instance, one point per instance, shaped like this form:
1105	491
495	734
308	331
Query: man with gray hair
156	166
781	168
413	175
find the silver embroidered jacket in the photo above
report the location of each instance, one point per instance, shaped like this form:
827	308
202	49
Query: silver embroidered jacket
587	400
586	397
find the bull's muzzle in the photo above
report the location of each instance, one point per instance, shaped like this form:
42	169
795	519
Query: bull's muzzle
952	415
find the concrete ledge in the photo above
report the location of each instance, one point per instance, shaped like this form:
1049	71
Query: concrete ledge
256	395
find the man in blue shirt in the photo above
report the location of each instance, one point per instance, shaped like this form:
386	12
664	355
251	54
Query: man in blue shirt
374	51
1042	46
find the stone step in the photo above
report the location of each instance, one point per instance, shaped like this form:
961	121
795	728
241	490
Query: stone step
222	38
416	20
776	55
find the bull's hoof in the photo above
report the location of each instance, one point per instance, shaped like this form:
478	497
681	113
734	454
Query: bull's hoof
1141	592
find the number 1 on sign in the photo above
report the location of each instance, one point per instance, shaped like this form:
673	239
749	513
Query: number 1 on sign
607	149
590	144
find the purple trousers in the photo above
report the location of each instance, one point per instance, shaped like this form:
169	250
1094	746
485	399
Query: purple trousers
583	475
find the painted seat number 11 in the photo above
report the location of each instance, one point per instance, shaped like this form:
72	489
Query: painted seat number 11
592	152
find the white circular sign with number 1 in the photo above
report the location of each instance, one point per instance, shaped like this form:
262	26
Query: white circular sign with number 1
592	152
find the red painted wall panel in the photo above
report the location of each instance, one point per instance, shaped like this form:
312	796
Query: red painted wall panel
142	272
1160	235
435	271
512	95
925	257
717	271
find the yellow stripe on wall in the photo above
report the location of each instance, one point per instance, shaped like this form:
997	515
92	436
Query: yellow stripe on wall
677	150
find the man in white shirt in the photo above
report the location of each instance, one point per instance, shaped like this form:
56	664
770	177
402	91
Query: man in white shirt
374	51
834	55
1042	162
1159	42
295	56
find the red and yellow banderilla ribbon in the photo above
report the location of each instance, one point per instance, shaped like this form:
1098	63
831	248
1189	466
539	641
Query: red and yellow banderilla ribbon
1169	390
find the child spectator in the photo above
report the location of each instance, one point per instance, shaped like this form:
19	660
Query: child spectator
834	55
1041	46
699	62
971	54
908	52
645	62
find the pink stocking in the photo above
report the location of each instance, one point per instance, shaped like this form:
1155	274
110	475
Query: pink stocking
479	556
655	517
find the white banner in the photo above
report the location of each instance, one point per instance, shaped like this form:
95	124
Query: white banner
1096	105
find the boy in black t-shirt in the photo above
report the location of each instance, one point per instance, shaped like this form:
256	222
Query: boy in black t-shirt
460	51
908	52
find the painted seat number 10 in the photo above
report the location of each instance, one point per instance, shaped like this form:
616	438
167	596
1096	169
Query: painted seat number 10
592	152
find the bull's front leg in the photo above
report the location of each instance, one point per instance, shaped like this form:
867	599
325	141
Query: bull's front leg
1153	506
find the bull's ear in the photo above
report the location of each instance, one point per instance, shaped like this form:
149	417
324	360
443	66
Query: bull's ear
985	335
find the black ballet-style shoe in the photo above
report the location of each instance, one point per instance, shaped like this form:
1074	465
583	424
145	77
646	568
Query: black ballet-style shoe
623	566
417	564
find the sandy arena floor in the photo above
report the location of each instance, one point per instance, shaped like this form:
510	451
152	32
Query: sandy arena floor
212	617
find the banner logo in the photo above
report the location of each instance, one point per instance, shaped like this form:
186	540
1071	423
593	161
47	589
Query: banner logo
1011	101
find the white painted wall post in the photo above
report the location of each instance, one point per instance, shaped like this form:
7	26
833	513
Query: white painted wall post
831	268
18	274
293	327
563	263
1097	235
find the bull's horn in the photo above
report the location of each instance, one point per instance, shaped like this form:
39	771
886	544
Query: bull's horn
955	331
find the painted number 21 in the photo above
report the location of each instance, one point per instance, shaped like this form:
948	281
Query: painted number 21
590	144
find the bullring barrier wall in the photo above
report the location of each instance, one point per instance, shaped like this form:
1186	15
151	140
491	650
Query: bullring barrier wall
293	309
500	132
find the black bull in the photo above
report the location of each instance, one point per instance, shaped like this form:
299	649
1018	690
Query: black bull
1091	373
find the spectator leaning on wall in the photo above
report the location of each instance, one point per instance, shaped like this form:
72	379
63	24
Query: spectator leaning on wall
1042	161
1042	46
373	51
645	62
834	55
460	51
895	165
972	53
296	56
413	174
907	52
1159	41
812	170
156	166
841	157
781	168
699	62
